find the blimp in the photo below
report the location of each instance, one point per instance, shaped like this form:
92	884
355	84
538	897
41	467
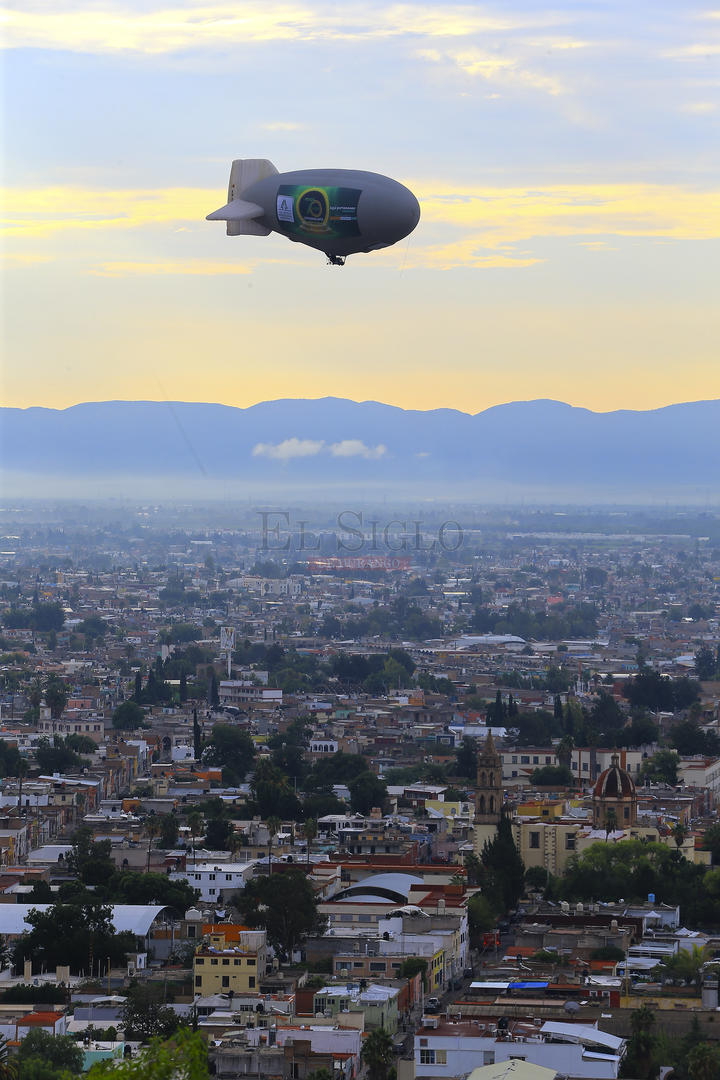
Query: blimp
340	212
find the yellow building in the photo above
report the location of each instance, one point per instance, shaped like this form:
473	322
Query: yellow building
542	808
547	842
231	959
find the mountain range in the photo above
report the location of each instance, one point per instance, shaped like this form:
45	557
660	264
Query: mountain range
543	450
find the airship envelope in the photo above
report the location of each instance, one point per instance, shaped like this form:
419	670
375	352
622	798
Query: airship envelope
338	211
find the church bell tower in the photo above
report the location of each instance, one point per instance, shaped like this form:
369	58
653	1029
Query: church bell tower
488	793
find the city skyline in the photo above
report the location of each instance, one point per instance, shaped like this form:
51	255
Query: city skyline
565	161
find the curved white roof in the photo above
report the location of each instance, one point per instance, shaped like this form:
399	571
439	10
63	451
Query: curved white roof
137	918
376	886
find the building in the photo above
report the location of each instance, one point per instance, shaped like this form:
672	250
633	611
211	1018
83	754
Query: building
243	692
443	1048
230	960
489	793
614	799
215	881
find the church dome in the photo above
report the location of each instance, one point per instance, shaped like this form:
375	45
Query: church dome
614	783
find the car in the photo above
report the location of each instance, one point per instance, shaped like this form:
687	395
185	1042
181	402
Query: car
432	1004
468	973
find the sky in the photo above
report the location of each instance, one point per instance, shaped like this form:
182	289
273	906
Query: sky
565	158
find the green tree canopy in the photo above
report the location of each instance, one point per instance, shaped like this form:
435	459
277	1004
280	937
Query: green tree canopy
231	747
145	1016
366	792
47	1057
72	934
182	1057
128	716
377	1054
285	905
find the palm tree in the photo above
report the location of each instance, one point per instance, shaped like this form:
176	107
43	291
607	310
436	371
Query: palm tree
152	828
679	833
8	1067
703	1062
274	824
611	822
564	750
311	831
22	771
196	823
377	1054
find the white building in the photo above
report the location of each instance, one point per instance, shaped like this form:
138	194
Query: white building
455	1049
243	691
216	882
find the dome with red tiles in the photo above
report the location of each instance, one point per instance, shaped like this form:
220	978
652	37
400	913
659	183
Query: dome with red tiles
614	783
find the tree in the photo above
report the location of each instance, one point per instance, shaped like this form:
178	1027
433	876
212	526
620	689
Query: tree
466	759
128	716
481	917
285	905
611	821
90	859
197	737
377	1054
8	1067
412	966
557	776
151	828
274	824
57	1051
56	696
638	1061
711	842
183	1057
536	877
135	887
81	744
213	693
145	1016
196	824
703	1062
218	834
57	756
169	831
705	663
505	868
367	791
232	748
311	830
662	767
687	964
73	934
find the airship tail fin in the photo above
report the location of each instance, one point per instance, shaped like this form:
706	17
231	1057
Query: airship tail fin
241	215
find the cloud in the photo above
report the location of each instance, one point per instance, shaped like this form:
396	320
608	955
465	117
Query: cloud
288	449
700	108
283	125
17	259
496	67
162	267
357	448
205	25
466	225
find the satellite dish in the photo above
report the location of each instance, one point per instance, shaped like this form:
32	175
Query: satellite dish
571	1008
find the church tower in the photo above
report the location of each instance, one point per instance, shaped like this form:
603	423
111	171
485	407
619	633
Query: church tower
614	799
488	794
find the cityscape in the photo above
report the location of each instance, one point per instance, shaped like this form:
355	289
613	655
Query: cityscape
427	805
360	540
